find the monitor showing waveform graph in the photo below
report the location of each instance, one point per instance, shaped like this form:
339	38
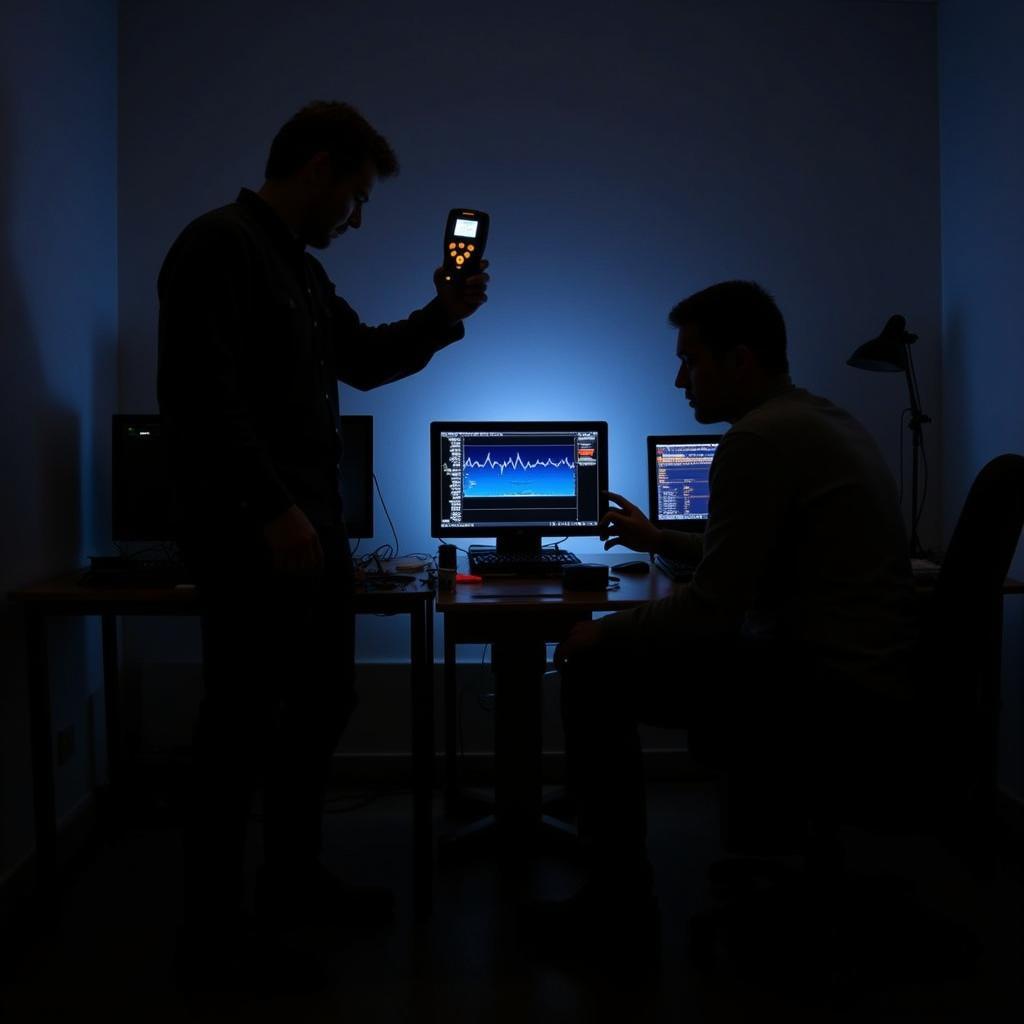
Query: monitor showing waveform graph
518	479
517	471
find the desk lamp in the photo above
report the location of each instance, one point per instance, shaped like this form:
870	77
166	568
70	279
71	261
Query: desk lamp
890	352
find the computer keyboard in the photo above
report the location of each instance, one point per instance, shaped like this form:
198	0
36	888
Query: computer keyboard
135	572
678	572
543	563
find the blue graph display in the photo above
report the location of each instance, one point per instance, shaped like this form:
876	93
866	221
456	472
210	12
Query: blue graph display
519	471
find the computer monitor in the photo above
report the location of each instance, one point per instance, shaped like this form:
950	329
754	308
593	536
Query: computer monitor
518	482
677	479
143	500
357	474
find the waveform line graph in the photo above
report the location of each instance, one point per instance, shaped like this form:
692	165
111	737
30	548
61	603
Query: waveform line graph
519	471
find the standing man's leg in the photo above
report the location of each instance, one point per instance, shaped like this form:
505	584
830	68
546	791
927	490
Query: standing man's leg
248	627
317	697
242	641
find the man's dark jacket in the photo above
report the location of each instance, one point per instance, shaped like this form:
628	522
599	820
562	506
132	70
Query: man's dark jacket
252	342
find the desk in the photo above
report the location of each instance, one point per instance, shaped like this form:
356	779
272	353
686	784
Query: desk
68	595
518	617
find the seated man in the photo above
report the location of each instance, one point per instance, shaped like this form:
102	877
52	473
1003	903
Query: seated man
798	620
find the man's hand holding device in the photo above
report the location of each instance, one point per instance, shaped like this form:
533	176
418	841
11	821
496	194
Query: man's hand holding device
460	281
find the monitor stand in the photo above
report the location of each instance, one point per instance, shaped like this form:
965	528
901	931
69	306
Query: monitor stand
518	638
518	821
519	542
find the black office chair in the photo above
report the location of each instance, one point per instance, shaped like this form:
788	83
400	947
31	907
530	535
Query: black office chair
942	777
960	656
937	776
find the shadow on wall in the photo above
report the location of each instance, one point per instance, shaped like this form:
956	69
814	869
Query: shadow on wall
39	439
40	530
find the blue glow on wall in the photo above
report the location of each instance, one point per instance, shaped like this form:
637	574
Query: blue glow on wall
627	157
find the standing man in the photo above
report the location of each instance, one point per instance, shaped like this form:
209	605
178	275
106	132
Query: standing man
253	340
795	632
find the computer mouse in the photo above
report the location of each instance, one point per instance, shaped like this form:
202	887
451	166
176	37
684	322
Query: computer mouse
639	568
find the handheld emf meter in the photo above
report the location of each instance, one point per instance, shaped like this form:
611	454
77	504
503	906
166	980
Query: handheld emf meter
465	236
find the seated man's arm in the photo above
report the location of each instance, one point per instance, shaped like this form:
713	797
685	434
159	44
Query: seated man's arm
629	527
687	548
750	497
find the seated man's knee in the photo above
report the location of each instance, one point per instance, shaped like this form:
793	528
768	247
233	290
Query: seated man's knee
591	688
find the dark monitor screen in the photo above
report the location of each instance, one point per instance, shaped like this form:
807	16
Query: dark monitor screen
357	474
496	479
142	505
678	466
143	499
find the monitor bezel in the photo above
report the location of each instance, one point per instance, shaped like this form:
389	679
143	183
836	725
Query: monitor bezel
653	440
437	427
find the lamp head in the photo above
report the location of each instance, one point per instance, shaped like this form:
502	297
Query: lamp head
887	352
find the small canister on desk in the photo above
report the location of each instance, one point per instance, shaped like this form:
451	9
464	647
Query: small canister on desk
446	566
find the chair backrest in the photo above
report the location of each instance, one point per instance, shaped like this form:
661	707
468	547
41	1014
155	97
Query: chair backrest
963	630
932	764
967	603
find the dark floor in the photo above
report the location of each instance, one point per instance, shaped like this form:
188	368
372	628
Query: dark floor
108	958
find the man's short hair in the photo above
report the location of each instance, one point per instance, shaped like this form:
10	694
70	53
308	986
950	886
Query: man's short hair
337	129
737	313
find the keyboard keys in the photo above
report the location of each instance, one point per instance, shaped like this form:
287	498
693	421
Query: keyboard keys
544	563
